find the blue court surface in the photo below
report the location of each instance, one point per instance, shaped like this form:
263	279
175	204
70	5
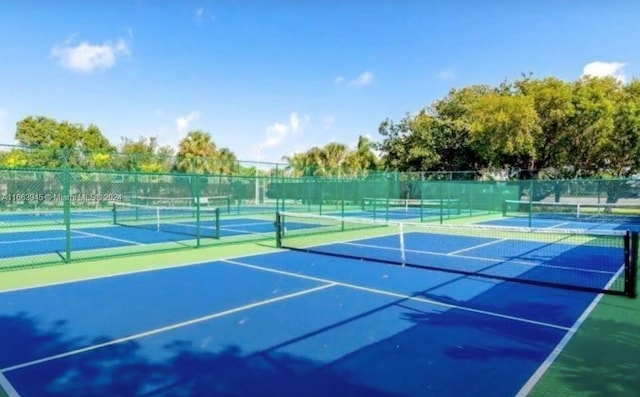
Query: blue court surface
22	243
20	217
291	323
391	215
562	224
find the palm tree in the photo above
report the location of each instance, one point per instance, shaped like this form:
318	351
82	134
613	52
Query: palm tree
227	162
196	153
298	164
333	158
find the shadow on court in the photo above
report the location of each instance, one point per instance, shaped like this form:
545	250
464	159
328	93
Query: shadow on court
123	370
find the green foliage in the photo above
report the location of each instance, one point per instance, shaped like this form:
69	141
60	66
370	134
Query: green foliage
557	129
502	130
197	153
333	159
144	154
56	143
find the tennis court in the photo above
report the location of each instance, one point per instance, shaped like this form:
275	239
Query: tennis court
39	242
342	308
574	215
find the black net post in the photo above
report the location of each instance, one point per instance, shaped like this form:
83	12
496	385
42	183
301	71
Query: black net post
217	224
631	265
278	225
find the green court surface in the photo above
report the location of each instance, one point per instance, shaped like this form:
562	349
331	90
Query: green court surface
601	358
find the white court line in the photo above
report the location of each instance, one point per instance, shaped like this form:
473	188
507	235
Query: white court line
243	231
480	258
560	224
169	327
107	237
537	375
134	272
249	224
37	240
7	386
397	295
476	246
189	225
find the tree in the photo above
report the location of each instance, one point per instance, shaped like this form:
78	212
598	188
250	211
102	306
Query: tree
298	164
196	153
585	144
227	163
394	145
552	101
144	154
362	159
54	143
502	131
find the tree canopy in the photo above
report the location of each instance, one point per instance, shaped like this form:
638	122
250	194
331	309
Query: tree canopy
549	127
590	127
47	143
334	159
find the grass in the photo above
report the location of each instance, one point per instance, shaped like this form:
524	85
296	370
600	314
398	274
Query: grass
602	358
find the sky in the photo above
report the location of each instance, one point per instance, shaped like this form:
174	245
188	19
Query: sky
269	78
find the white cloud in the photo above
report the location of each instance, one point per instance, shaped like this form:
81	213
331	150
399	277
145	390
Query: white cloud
604	69
328	122
446	74
294	121
277	133
202	14
86	57
365	78
183	123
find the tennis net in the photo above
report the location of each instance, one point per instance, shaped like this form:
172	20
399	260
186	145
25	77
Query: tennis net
188	221
574	259
410	208
221	202
573	211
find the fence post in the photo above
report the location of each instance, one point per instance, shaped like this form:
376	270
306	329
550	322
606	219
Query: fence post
66	205
631	267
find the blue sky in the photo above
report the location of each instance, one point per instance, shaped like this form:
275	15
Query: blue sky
268	78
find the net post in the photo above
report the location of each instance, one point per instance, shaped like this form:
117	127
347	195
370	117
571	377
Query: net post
113	209
387	209
403	256
530	202
66	195
504	208
195	188
375	205
631	265
217	224
278	225
578	211
441	203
